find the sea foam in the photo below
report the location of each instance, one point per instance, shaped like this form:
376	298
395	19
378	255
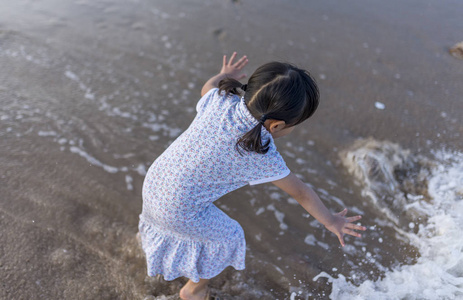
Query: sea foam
438	271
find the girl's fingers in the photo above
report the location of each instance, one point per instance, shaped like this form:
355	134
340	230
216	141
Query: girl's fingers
343	213
353	219
232	58
242	62
341	240
355	227
351	232
224	60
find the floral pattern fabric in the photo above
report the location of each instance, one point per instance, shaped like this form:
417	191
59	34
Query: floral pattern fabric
182	232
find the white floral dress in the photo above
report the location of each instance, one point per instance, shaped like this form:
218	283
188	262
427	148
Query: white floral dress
182	232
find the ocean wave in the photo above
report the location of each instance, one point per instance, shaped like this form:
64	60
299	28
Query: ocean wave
428	194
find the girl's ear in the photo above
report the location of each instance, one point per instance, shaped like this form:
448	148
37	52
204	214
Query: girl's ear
275	126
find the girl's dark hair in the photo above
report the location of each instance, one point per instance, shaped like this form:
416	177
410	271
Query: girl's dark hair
278	91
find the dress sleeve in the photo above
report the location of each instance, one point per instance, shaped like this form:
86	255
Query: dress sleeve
206	99
271	166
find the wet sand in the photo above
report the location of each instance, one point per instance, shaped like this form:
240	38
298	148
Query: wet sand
93	91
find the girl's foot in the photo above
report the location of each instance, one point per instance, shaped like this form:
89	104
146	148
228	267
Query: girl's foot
202	295
195	291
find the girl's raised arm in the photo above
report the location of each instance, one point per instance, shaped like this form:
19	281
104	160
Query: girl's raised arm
338	223
229	69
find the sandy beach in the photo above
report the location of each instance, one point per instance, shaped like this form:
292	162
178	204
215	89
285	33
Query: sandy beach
92	92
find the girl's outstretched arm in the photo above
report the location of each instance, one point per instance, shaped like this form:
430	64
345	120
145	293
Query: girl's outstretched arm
338	223
229	69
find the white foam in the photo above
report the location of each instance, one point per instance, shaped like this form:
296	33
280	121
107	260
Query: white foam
62	141
128	181
260	210
47	133
141	169
310	239
88	92
279	216
279	270
71	76
380	105
300	161
438	271
172	132
275	196
292	201
92	160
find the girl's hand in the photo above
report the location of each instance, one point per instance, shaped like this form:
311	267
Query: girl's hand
342	225
233	70
229	69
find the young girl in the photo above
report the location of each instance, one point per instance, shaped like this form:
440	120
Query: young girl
229	144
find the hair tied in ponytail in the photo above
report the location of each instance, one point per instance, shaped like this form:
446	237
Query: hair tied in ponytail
263	119
244	87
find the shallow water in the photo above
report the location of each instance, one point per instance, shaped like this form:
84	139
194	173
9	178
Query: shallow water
93	91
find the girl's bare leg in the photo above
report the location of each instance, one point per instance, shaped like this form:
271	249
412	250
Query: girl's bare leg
194	290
